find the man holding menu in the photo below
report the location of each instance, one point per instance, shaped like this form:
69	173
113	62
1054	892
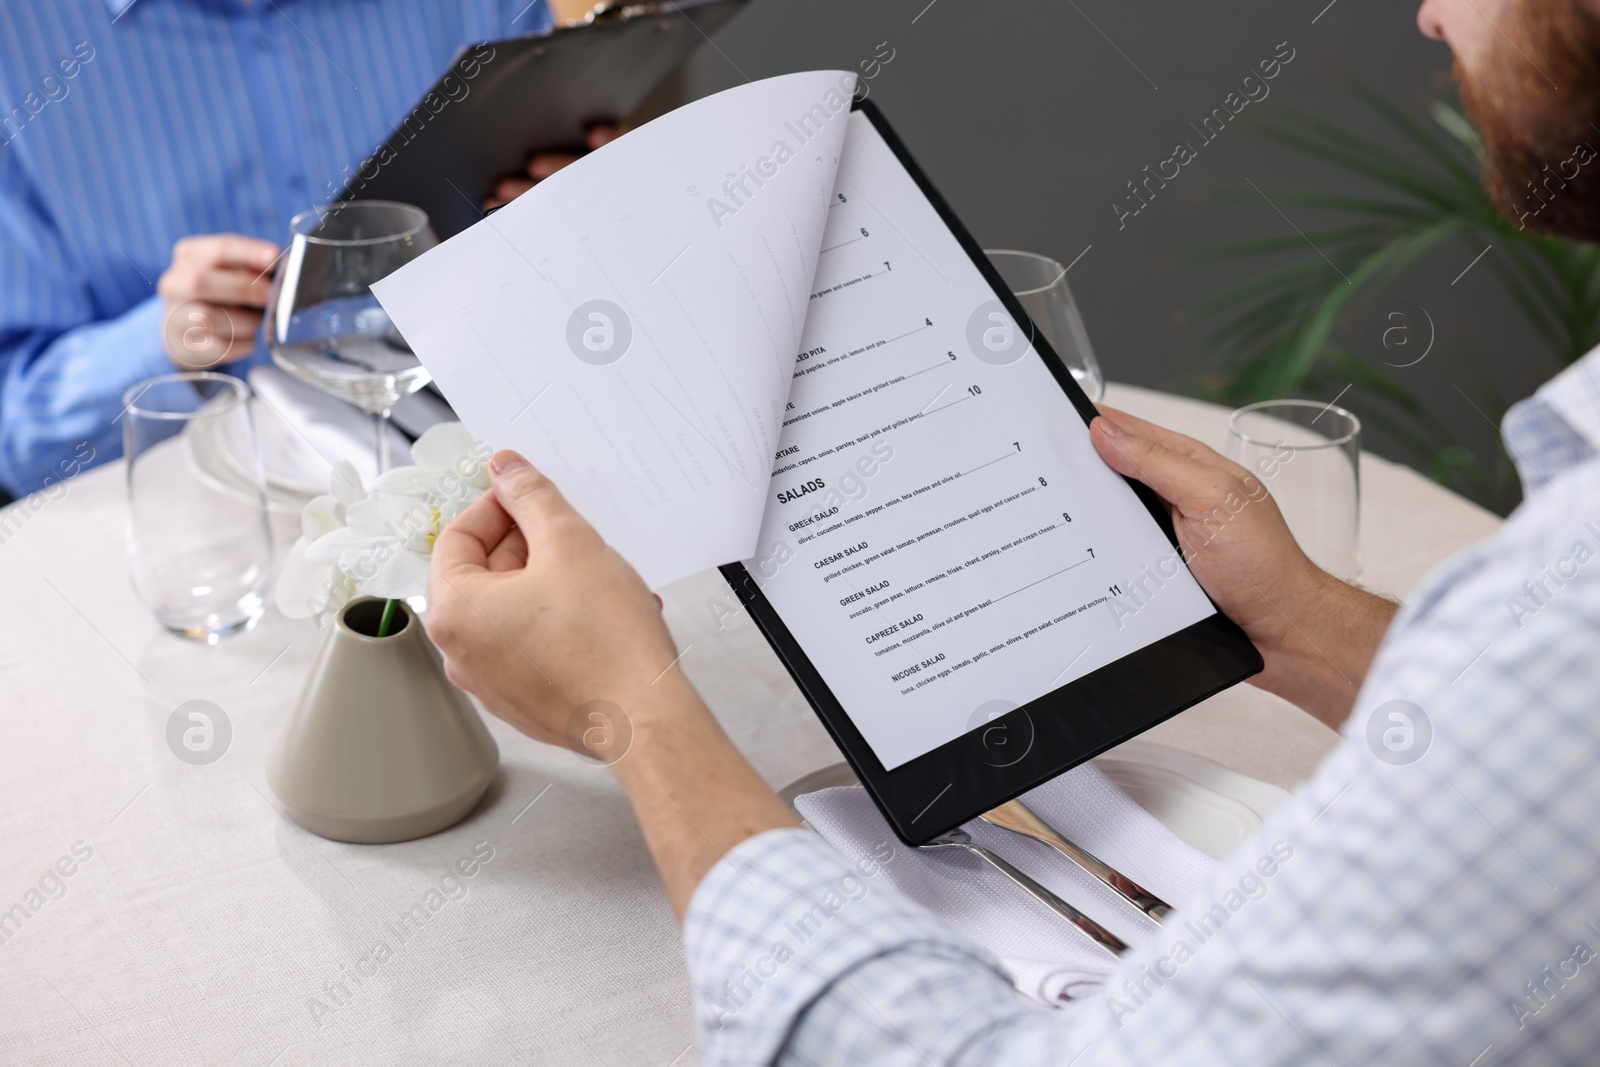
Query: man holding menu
152	153
1444	912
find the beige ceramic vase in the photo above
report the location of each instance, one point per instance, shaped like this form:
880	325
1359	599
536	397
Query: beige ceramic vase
380	746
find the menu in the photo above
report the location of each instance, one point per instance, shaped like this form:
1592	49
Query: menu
742	332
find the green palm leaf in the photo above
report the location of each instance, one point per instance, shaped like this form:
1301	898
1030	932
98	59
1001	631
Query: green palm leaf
1273	334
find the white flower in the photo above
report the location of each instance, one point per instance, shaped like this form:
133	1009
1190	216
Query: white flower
447	459
355	543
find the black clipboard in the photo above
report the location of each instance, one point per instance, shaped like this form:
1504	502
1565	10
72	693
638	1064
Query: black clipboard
499	100
1006	757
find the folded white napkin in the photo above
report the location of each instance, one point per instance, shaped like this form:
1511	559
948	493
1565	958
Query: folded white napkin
1047	957
304	431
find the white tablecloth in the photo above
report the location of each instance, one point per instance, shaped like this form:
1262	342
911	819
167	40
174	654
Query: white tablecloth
205	928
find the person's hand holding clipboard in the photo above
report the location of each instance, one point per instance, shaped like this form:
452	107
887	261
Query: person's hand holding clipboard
508	113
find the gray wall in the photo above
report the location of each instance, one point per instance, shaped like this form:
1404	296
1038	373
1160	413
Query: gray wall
1031	121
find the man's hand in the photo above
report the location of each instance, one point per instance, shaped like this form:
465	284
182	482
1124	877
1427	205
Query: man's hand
535	613
1317	634
214	290
537	616
543	164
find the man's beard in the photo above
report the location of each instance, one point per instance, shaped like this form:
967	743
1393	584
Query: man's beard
1537	106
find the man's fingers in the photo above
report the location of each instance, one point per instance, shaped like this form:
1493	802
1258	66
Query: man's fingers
467	541
241	288
603	133
220	269
199	335
226	249
1179	479
1172	439
494	532
528	496
507	190
545	164
510	554
239	331
250	253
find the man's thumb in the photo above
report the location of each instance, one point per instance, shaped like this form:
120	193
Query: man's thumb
1176	478
527	495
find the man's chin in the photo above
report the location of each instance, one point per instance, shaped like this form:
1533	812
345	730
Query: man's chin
1541	169
1548	193
1551	221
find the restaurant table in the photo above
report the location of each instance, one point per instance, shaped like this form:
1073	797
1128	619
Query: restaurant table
199	925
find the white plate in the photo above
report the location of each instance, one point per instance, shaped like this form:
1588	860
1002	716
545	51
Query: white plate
1205	803
1208	805
303	431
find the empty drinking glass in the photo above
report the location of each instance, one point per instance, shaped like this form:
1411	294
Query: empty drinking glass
199	544
1308	455
1040	284
323	323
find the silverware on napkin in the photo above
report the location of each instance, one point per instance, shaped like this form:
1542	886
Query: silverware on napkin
1015	816
1100	935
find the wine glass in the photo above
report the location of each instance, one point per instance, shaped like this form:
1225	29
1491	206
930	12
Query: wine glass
323	323
1040	285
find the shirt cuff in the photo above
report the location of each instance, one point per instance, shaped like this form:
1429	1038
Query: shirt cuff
65	399
130	348
776	923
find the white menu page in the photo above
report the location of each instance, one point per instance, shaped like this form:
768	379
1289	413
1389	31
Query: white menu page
831	393
630	323
965	540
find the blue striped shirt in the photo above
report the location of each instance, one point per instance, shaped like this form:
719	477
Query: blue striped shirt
128	124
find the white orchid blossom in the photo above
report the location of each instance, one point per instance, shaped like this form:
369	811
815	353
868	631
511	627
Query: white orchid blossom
356	543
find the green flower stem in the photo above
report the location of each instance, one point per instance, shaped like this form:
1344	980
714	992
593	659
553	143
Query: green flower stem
384	623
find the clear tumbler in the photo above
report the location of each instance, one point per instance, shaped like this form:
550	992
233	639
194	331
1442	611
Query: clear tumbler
1308	454
199	542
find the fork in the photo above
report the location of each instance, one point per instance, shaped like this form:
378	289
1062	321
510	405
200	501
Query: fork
1015	816
959	838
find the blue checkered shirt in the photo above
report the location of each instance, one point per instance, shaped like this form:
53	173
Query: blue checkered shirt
1433	895
128	124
